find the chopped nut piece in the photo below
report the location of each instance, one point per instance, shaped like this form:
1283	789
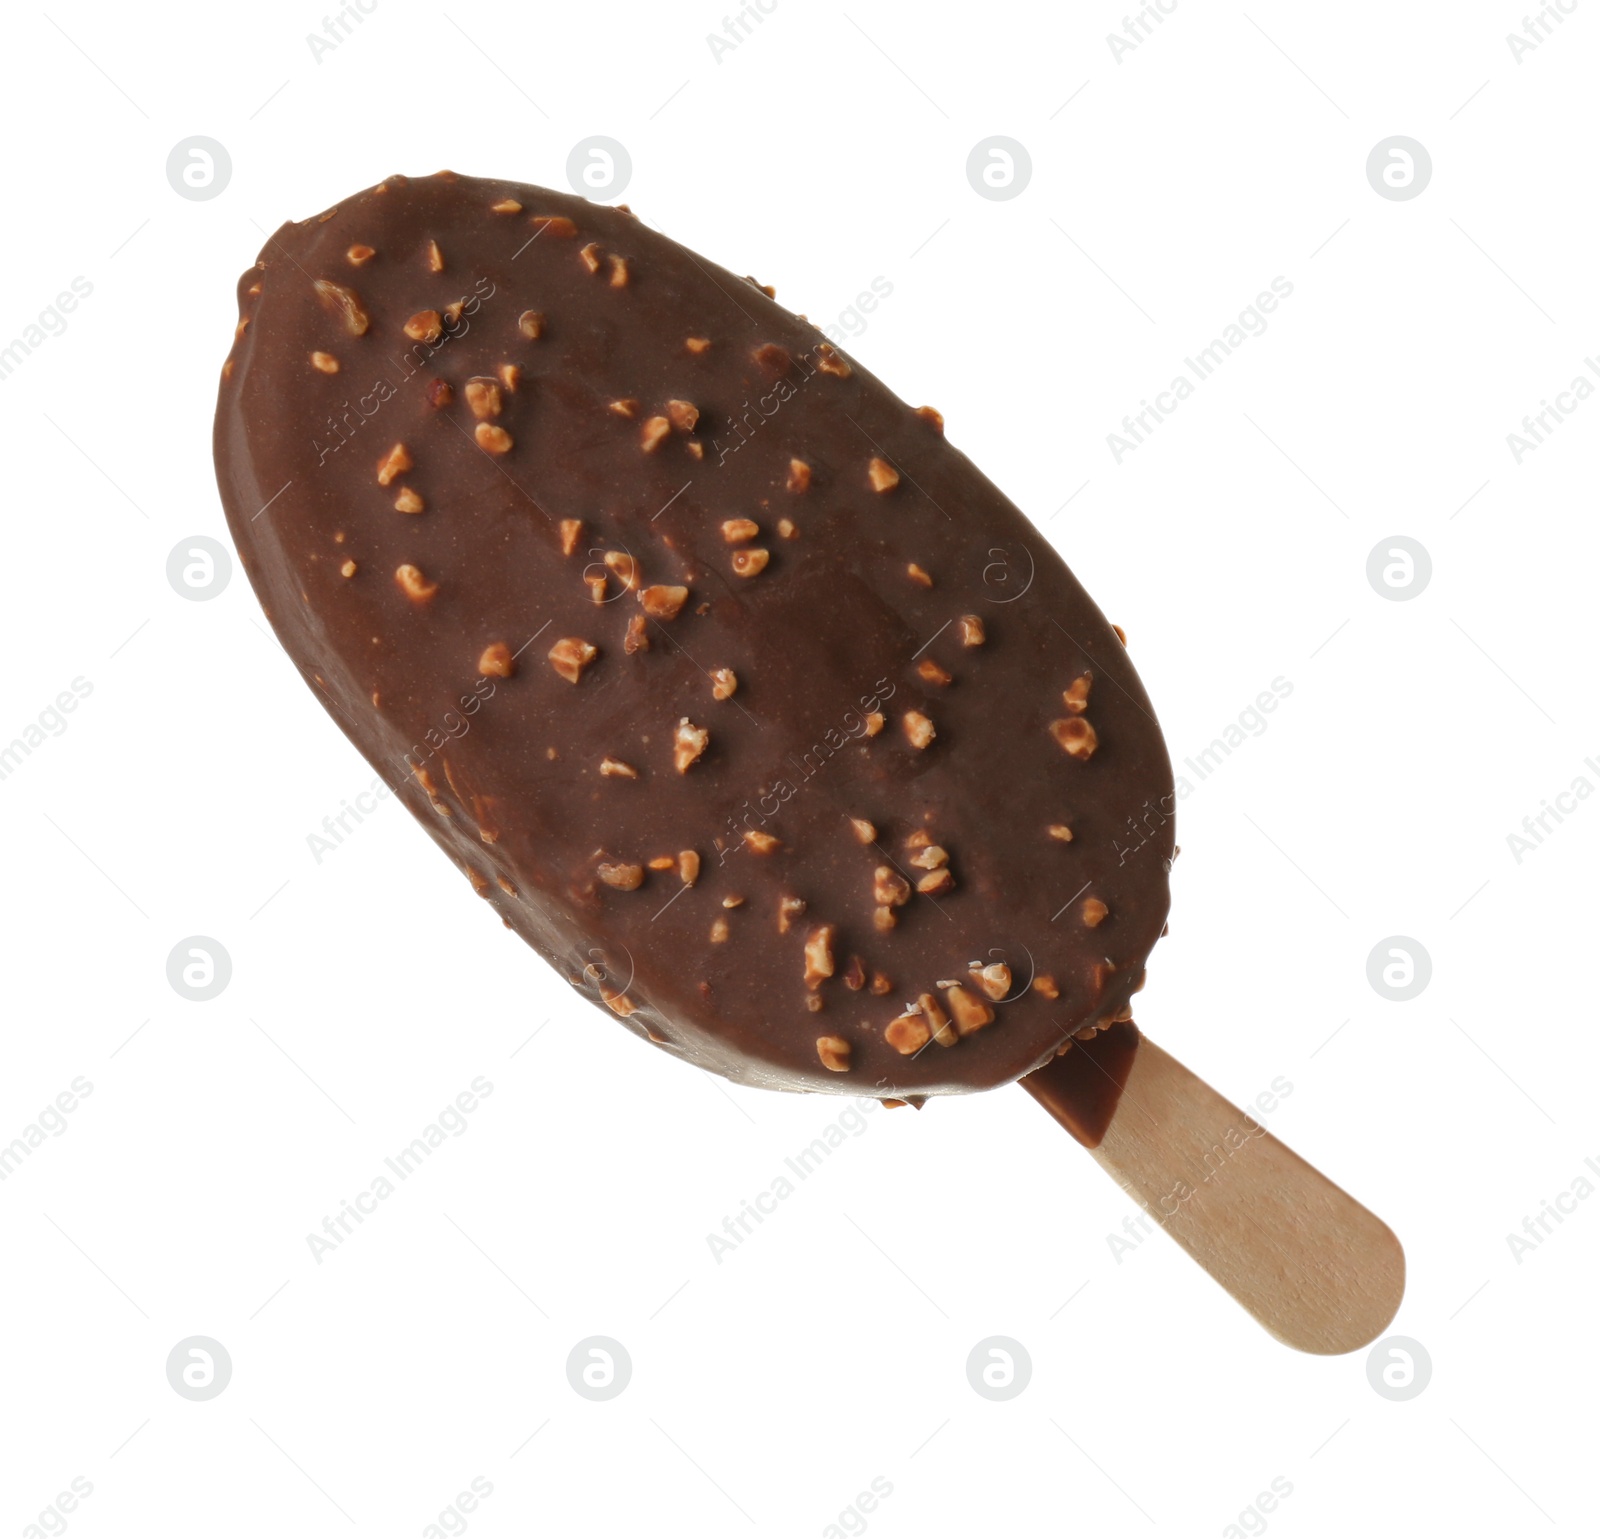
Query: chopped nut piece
855	975
637	638
434	257
618	1001
492	438
875	723
774	358
440	393
930	857
918	575
723	683
1062	832
688	867
571	529
619	272
661	863
688	743
761	842
683	414
663	601
624	567
1122	635
531	323
652	433
1075	735
510	376
495	661
553	224
325	363
736	529
696	448
396	462
936	882
408	501
865	832
882	475
592	257
933	417
424	326
697	344
483	396
1093	912
994	980
819	955
628	407
570	656
907	1033
799	476
933	1013
1076	696
889	887
506	206
883	919
719	930
834	1053
344	304
789	910
597	587
348	569
970	1013
880	984
623	877
359	256
919	729
970	629
921	839
413	584
829	361
616	769
786	528
1046	985
933	673
750	561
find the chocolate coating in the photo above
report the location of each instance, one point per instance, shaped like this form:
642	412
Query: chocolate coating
430	383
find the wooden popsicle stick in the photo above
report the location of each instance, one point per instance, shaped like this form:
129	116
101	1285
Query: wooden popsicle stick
1316	1269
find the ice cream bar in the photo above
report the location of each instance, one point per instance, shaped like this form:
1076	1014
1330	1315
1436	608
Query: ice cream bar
736	688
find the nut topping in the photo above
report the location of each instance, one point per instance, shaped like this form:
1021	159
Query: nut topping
688	743
625	878
719	930
651	435
933	417
688	867
483	396
994	980
829	361
723	683
819	955
929	670
789	910
591	256
875	723
531	324
615	769
970	1012
1046	985
889	887
1062	832
570	656
930	857
492	438
344	304
697	344
619	272
865	832
637	638
440	393
1093	912
683	415
799	476
413	584
408	501
424	326
506	206
907	1034
736	529
627	407
434	257
663	601
359	255
325	363
553	224
571	529
750	561
933	1013
396	462
1075	735
760	842
970	629
918	728
348	569
834	1052
1076	696
936	882
495	661
623	567
882	475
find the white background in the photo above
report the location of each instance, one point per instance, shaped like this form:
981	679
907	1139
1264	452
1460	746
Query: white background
829	148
